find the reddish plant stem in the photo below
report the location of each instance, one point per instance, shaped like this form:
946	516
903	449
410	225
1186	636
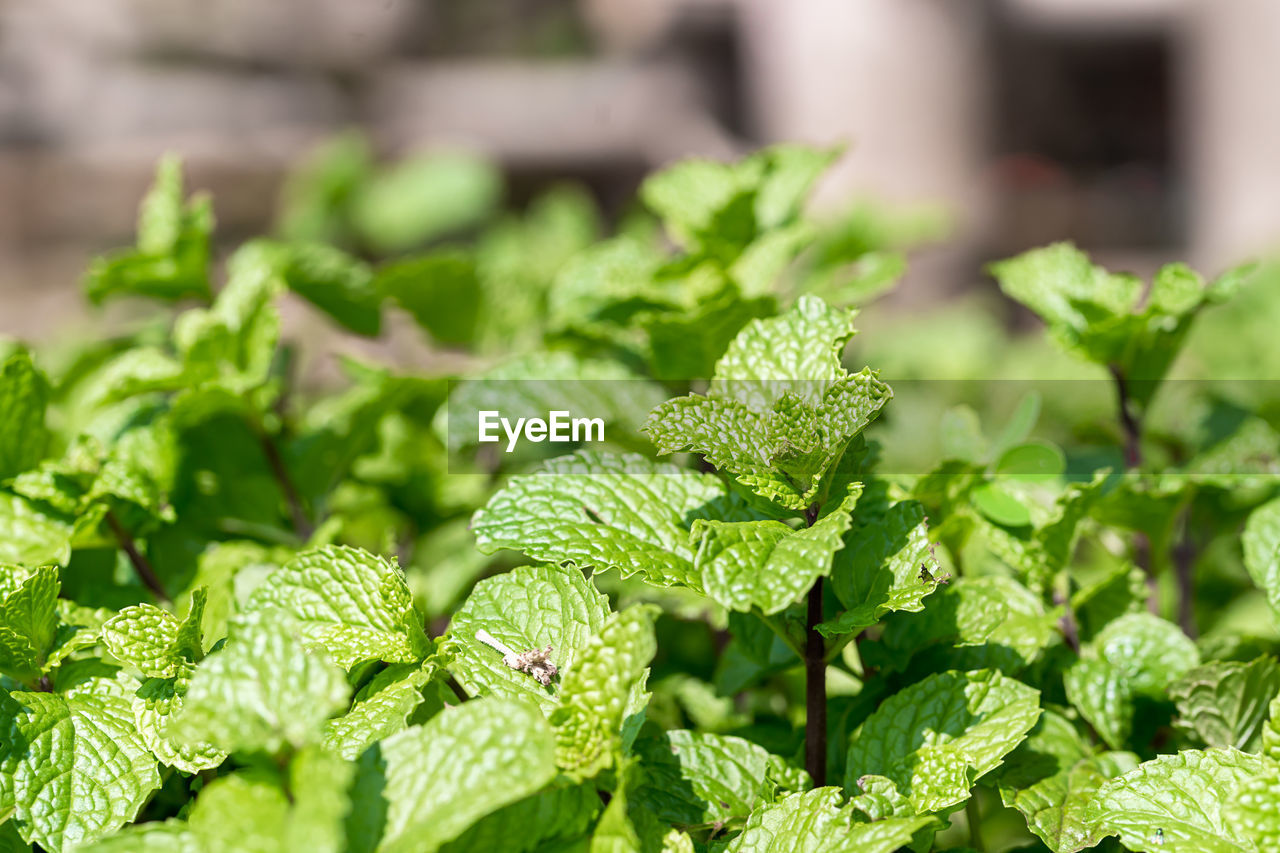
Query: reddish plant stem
140	563
1131	427
815	682
301	524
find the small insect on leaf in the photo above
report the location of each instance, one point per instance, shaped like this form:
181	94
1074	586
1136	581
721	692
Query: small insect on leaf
534	662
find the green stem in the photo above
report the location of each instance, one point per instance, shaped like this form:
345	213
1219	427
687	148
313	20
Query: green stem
974	818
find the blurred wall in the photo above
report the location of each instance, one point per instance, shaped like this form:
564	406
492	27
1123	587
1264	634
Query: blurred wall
1145	129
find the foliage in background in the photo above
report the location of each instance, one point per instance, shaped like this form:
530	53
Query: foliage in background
239	614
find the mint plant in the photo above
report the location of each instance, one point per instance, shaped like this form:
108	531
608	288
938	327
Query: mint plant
243	609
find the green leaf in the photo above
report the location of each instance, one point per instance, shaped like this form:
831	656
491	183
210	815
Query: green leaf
685	344
28	620
1102	697
557	813
257	811
314	200
337	283
1055	808
604	511
1150	653
773	353
155	641
1137	655
1108	318
1271	732
886	564
694	778
265	688
171	259
1175	803
32	537
170	836
352	603
154	704
1251	814
531	607
440	290
72	768
381	709
814	822
781	409
424	197
1032	458
1224	703
603	688
24	394
1001	507
766	564
1261	543
989	621
1051	778
936	737
479	757
542	382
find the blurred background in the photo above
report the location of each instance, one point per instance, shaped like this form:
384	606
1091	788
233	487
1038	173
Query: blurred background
1145	130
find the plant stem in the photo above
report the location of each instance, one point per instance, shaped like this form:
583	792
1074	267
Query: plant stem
815	681
1184	558
974	818
1070	632
815	692
301	524
1131	427
1129	423
140	564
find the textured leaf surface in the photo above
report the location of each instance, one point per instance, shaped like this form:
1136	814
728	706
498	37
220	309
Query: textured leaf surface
156	702
72	768
1100	694
531	607
934	738
1224	703
971	622
1271	732
352	603
781	409
765	564
1174	803
265	688
803	344
462	765
1253	813
28	619
1051	778
813	822
380	710
145	636
599	691
1136	655
1261	542
597	510
699	778
881	567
